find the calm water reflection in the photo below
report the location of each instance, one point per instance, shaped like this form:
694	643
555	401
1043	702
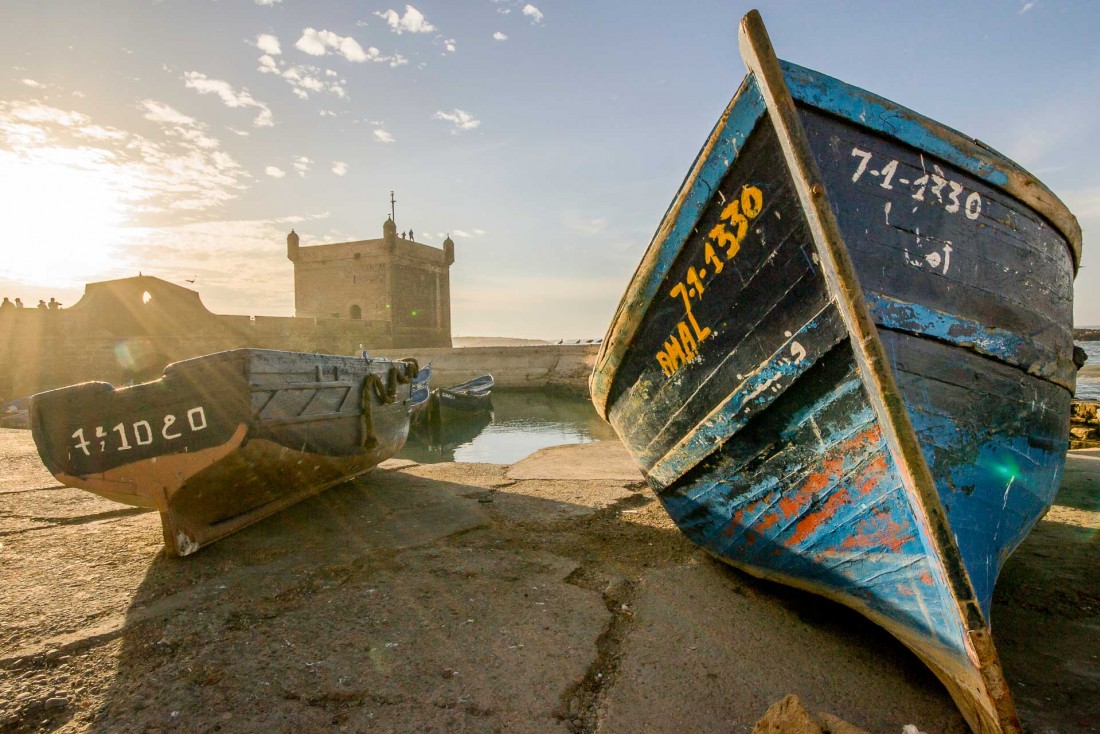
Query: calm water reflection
523	421
1088	378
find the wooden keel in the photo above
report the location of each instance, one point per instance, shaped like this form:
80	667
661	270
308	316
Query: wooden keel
986	702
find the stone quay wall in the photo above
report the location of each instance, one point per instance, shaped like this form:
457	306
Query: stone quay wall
551	366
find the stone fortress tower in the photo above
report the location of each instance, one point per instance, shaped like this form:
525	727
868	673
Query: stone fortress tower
393	279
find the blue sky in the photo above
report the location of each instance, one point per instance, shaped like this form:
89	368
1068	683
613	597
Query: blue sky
184	138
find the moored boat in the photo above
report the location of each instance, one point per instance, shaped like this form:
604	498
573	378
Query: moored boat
845	361
466	400
224	440
420	393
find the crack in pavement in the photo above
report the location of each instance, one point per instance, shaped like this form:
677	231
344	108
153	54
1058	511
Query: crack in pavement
581	702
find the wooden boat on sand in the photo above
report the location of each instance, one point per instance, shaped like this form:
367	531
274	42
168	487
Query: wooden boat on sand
227	439
845	361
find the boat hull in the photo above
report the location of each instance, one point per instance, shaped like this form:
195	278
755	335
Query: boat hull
848	383
471	399
224	440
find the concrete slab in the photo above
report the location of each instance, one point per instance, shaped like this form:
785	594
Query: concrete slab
457	597
581	462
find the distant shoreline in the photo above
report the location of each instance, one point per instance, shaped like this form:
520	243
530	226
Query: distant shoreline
1086	335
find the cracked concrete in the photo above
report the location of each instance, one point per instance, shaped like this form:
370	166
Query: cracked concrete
551	596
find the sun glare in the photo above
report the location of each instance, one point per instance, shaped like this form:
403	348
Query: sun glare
63	212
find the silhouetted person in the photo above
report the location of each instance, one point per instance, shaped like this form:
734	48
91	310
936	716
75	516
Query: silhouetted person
413	239
42	305
55	305
6	304
18	302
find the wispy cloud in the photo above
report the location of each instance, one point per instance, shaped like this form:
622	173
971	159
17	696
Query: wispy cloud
320	43
32	83
533	13
160	112
413	21
461	119
275	172
268	3
340	168
230	96
269	44
304	78
382	136
301	165
1024	7
498	36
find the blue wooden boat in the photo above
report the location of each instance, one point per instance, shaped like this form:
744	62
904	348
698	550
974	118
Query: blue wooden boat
845	361
419	402
224	440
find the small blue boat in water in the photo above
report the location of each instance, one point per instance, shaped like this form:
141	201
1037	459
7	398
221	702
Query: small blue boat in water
845	361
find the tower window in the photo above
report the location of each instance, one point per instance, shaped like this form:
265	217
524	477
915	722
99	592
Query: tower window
356	312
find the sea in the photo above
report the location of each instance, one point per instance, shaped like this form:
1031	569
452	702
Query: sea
1088	377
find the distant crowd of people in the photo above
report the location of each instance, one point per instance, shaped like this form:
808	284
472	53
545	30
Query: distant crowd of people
53	305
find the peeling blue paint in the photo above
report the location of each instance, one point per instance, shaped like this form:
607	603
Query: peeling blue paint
1006	346
880	114
748	399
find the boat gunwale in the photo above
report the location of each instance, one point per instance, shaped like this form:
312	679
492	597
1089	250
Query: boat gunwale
960	150
956	148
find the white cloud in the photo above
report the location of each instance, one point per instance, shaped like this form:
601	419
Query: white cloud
461	119
449	45
269	44
1026	7
413	21
231	97
274	172
268	3
318	43
340	168
302	78
159	112
533	13
498	36
382	136
301	165
32	83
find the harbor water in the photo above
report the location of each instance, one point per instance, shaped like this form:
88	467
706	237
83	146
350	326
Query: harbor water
1088	377
521	422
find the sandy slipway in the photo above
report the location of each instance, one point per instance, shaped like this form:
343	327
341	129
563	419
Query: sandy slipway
550	596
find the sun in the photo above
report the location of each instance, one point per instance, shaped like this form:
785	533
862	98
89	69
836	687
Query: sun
63	216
